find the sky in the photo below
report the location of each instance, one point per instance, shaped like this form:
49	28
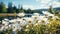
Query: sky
34	4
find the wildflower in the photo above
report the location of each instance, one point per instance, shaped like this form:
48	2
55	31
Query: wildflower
14	29
17	30
35	17
1	29
26	29
13	21
29	20
45	12
22	22
6	19
42	21
32	28
27	26
3	22
21	26
36	14
6	27
39	21
36	24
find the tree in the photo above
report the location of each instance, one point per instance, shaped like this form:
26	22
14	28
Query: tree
29	11
14	9
21	10
51	10
2	8
10	8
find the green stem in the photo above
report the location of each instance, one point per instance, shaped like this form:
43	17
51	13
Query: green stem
36	32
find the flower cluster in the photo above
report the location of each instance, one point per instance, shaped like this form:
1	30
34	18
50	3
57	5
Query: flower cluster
35	23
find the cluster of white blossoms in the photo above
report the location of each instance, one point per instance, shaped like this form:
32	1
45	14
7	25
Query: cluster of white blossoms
16	24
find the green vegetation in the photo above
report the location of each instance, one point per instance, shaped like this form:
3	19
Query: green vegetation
53	27
12	9
2	8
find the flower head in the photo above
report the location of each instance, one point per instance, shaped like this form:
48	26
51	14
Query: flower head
36	24
29	20
42	21
27	26
26	29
